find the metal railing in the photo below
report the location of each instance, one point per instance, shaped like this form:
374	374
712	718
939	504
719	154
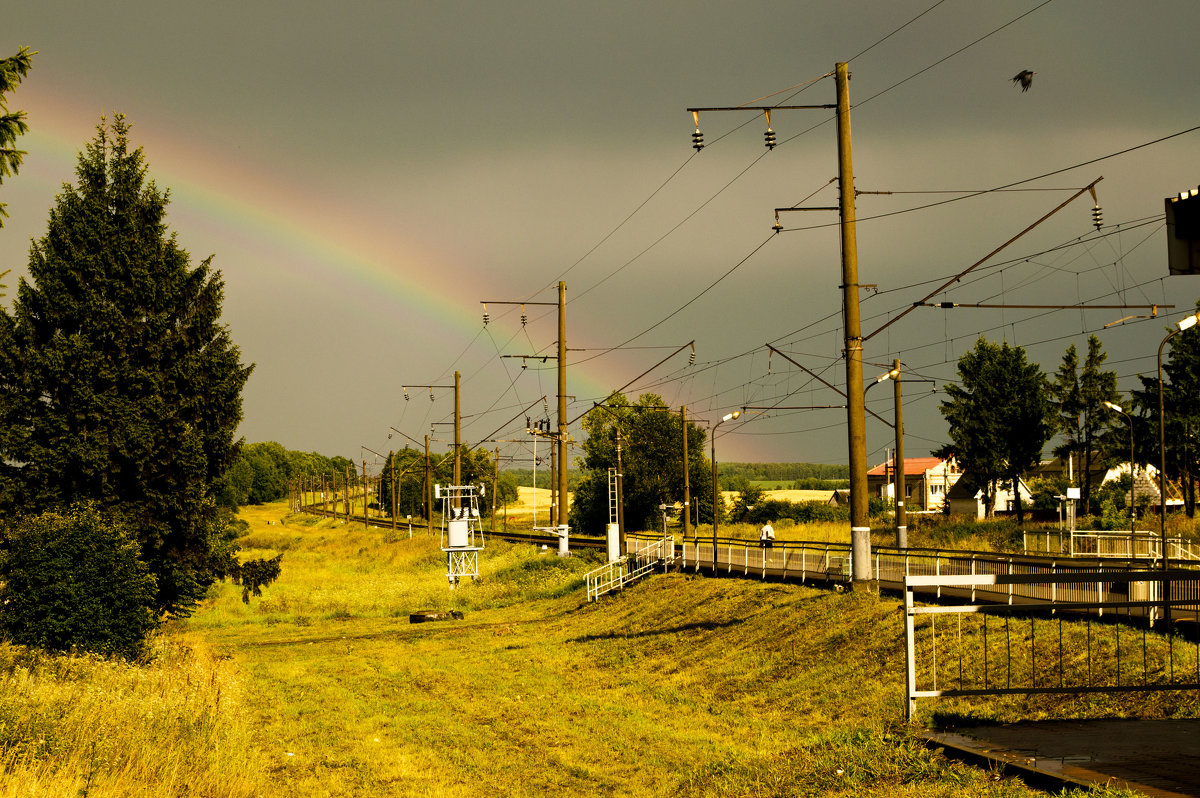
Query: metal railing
791	560
1122	545
644	556
964	660
831	563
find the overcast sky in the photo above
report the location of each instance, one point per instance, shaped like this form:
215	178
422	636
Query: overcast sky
365	173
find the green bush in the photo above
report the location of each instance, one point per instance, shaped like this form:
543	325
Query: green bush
75	580
800	512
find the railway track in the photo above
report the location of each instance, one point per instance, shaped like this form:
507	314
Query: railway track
381	522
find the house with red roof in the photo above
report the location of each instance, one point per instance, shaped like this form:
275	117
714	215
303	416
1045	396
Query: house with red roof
927	480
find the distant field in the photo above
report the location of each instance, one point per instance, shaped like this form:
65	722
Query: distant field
800	495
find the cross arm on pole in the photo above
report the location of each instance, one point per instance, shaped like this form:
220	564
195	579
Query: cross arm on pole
824	381
1088	188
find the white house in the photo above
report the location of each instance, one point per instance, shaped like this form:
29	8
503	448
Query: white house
966	498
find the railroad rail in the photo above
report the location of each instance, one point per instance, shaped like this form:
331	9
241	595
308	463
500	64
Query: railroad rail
386	522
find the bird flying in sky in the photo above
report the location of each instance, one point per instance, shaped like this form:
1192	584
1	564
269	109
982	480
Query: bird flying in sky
1025	78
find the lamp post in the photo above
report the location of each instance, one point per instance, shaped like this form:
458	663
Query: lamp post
1185	323
901	516
717	503
1116	408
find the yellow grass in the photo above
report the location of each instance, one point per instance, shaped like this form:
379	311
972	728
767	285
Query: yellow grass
80	725
681	686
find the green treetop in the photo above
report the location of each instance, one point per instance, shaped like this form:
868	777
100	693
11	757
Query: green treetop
999	416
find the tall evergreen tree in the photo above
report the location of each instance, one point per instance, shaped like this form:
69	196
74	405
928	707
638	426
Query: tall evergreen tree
1079	396
999	415
118	382
12	123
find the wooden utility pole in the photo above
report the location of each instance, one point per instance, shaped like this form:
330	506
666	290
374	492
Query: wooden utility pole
457	433
901	492
425	499
856	424
558	450
562	412
495	480
394	484
620	496
553	484
687	485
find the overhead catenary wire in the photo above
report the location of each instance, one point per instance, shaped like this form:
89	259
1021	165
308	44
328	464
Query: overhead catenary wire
726	360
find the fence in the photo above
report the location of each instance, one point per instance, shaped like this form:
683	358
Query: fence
803	560
890	567
642	559
966	660
1124	545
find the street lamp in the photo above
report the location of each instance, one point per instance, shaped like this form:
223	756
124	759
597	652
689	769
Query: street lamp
1116	408
898	467
1185	323
716	493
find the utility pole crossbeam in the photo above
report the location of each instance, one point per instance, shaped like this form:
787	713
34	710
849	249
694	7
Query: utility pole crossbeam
561	450
922	302
457	425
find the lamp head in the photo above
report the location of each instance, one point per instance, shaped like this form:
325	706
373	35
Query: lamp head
1114	406
1187	322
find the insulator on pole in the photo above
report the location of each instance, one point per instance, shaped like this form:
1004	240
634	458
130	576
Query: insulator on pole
1097	217
697	137
431	394
769	136
405	392
485	314
692	356
524	317
777	226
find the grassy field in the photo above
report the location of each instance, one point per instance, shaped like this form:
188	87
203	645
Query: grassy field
681	686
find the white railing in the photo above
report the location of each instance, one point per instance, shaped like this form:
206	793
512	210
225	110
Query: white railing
641	561
791	560
1123	545
830	563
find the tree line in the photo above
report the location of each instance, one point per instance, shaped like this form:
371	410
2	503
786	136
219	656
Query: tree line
784	473
1005	409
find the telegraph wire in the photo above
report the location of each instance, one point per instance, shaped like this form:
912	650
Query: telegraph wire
956	52
894	32
1042	176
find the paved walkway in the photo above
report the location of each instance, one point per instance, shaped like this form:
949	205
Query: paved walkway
1154	757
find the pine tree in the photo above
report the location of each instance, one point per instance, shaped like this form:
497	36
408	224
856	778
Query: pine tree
119	384
12	123
1080	396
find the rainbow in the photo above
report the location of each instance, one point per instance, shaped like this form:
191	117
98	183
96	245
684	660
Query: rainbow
213	195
